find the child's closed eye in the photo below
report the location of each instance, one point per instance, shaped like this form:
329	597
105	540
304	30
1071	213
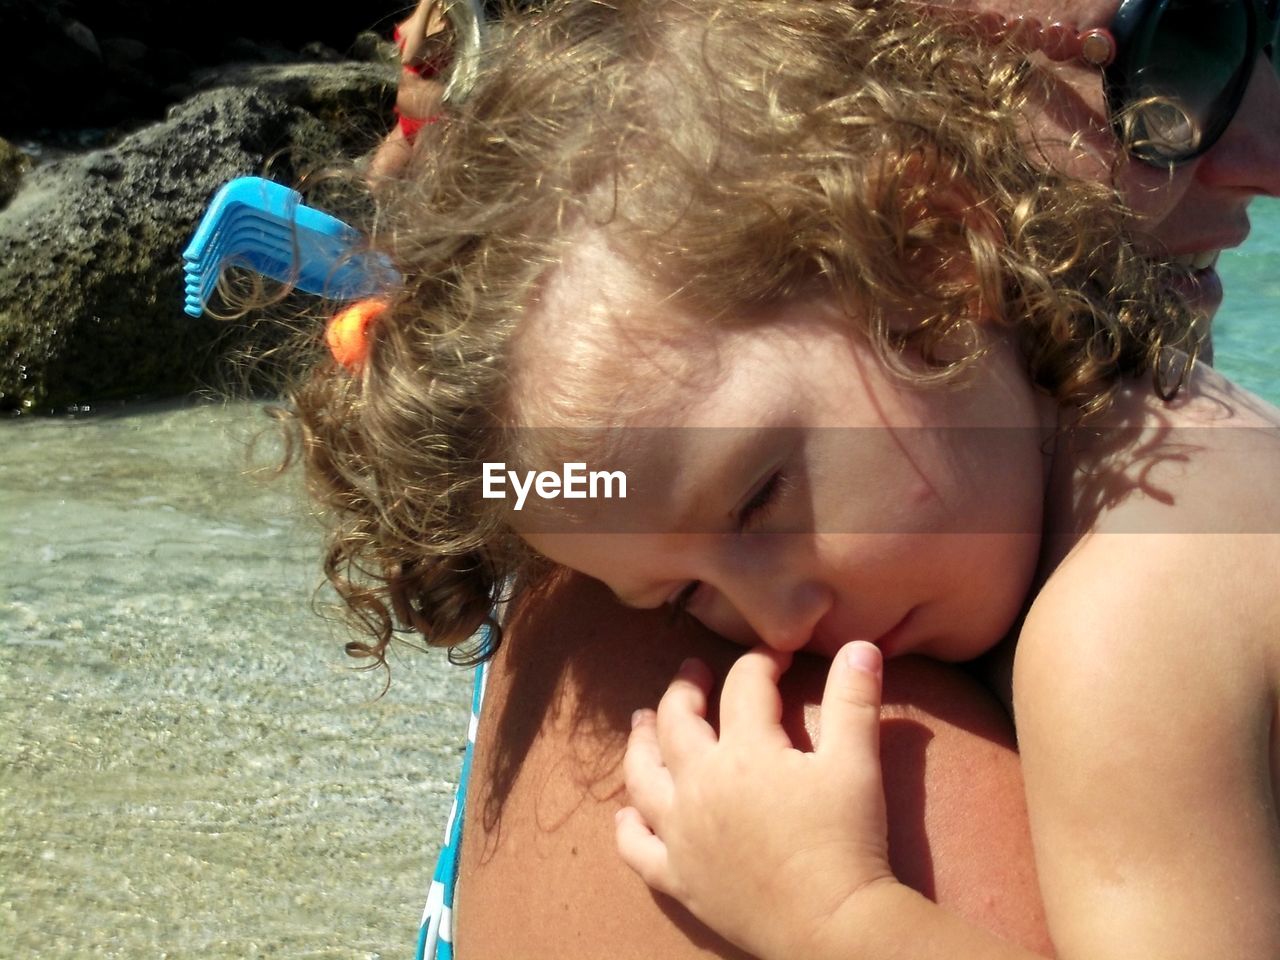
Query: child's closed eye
750	515
757	507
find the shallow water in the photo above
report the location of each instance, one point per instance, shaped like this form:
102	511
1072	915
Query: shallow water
191	766
1247	328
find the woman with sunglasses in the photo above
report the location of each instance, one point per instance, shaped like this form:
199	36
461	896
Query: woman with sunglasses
1190	86
1193	88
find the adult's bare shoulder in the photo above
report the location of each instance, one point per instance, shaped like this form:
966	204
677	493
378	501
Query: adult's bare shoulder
540	876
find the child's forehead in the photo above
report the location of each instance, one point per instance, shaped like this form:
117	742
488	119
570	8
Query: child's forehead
594	286
604	344
599	342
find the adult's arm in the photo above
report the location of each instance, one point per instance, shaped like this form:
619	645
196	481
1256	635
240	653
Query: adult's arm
540	876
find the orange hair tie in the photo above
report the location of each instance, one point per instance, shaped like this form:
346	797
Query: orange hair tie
347	334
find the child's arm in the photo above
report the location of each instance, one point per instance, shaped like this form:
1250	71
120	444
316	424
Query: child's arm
785	853
1138	857
1146	717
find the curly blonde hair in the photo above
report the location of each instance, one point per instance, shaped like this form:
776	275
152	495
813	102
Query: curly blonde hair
741	152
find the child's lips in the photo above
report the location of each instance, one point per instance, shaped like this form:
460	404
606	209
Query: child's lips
891	643
828	638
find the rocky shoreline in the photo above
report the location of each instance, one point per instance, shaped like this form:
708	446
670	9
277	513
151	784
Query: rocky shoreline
91	239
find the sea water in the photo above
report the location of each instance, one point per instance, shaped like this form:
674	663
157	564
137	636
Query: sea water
190	765
1247	328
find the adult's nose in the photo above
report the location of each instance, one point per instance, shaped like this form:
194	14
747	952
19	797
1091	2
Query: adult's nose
1247	157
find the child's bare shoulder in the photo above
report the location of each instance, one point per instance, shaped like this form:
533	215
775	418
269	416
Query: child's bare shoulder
1162	605
1195	465
1169	592
1145	685
1144	697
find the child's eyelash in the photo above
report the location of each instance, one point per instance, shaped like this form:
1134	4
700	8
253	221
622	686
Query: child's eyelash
754	510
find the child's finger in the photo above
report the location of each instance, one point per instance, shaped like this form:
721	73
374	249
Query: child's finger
750	705
640	849
649	786
683	731
851	703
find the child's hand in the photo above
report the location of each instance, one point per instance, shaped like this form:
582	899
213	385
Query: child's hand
760	841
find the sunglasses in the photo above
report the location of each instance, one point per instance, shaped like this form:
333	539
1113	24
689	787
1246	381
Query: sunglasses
1175	71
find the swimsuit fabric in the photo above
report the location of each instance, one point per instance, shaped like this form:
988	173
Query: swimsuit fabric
435	935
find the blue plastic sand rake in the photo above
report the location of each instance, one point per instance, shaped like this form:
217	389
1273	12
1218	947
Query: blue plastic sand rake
265	227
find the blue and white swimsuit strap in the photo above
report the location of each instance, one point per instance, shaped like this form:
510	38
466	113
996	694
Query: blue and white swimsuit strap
435	937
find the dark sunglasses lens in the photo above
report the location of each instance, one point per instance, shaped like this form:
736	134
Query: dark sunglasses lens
1271	33
1188	85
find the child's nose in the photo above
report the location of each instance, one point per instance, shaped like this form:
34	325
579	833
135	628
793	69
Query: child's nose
781	613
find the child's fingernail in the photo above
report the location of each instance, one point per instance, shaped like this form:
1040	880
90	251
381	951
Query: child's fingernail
688	666
864	657
636	717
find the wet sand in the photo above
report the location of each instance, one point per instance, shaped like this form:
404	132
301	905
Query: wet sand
191	766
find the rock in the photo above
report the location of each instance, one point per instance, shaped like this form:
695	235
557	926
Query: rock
352	98
83	38
171	65
90	246
321	53
37	58
117	50
370	47
254	51
63	62
13	164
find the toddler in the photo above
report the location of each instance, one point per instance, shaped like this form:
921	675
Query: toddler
874	382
